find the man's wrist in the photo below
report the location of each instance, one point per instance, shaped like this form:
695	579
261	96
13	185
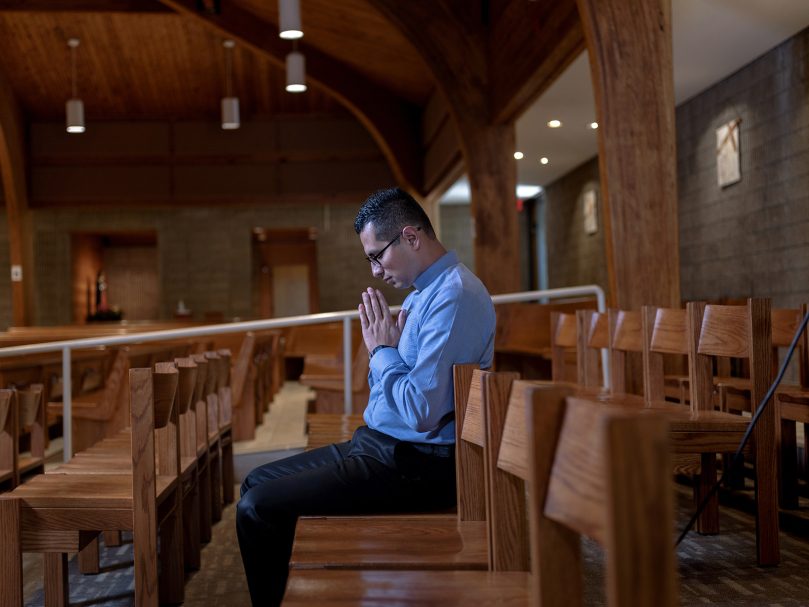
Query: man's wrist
377	349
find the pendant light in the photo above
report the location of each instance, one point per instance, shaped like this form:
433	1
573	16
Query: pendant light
74	108
230	104
289	19
296	72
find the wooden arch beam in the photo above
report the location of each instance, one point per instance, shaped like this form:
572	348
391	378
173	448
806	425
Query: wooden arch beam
393	122
530	45
630	48
456	42
12	172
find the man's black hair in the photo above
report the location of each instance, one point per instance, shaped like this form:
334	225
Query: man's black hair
391	210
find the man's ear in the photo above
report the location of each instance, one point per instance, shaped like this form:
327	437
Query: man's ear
412	236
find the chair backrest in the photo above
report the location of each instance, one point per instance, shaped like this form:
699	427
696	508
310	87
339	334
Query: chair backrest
625	336
597	470
665	331
785	322
213	380
200	401
564	339
186	385
8	432
472	417
241	367
593	336
223	391
730	331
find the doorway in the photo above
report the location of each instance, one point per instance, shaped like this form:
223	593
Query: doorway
285	271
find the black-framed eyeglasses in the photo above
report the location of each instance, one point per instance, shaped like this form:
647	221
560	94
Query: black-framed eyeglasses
376	257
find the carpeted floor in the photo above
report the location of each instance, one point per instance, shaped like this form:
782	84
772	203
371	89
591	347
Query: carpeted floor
717	570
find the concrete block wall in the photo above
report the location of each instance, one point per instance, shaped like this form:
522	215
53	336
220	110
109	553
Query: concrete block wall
752	237
205	255
574	257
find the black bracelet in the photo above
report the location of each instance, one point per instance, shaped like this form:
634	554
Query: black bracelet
377	349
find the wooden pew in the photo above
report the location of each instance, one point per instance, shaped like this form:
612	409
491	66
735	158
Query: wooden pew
590	470
60	513
439	542
329	385
101	409
523	335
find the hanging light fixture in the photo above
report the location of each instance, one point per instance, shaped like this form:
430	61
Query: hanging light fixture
74	108
289	19
296	72
230	104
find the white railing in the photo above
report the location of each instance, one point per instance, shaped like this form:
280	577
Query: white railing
66	347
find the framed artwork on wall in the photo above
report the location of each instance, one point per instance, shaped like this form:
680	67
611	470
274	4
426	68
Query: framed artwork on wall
590	212
728	169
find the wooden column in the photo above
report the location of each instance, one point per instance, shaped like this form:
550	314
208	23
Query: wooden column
12	172
453	44
630	50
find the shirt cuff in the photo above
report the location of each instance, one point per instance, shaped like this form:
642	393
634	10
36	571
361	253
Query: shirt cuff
383	359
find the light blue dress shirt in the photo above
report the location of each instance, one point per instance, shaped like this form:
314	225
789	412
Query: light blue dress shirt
450	320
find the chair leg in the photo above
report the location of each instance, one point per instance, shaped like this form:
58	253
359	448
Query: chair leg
227	473
191	530
205	532
708	522
57	590
767	526
214	466
11	553
789	465
112	538
88	558
172	572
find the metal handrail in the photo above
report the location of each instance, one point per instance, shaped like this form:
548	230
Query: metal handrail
346	316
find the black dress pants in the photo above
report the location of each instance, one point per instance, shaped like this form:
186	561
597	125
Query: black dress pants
372	473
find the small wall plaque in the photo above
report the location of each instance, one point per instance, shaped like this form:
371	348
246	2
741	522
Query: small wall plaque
728	170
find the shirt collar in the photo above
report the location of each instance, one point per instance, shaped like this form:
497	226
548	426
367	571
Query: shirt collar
447	260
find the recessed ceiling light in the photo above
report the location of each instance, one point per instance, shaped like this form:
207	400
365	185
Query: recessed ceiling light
594	125
554	124
543	160
518	155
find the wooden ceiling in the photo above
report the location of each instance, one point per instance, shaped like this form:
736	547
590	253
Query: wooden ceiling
138	59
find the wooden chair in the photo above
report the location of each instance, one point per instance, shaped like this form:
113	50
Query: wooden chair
328	385
698	430
699	434
742	332
418	541
8	439
590	469
212	380
225	409
31	417
793	404
59	513
200	419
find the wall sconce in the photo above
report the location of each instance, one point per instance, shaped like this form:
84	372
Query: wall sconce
74	108
230	104
289	19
